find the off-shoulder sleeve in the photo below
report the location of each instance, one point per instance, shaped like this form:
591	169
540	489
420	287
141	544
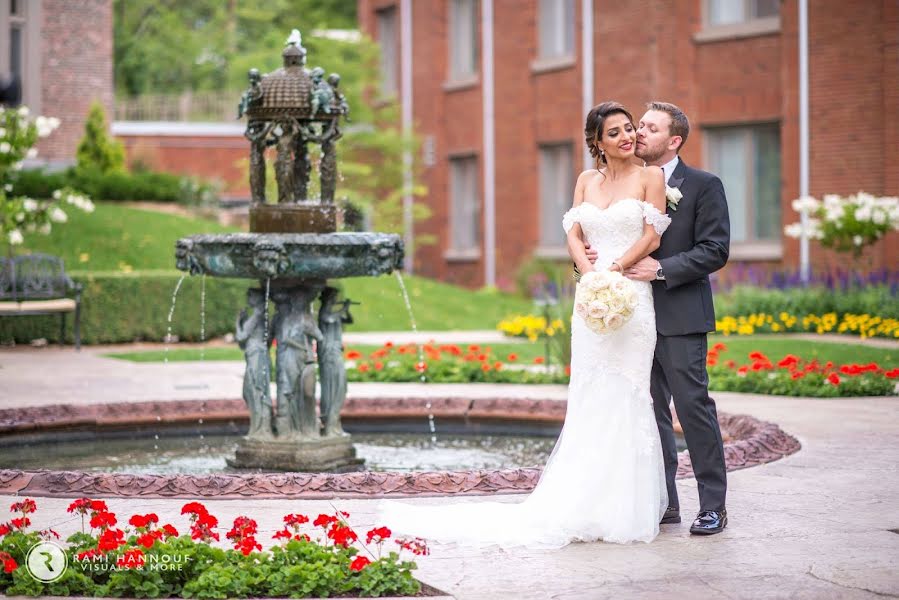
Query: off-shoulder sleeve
570	218
654	217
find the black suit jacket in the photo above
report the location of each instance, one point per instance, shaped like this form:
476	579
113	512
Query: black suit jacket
696	244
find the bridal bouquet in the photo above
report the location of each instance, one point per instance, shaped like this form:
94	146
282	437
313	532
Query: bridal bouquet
605	300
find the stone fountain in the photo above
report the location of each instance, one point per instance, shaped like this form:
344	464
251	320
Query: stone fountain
292	251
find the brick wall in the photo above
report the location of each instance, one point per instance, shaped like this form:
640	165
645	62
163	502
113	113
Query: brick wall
76	69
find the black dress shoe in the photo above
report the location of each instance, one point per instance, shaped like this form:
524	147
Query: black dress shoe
709	522
672	515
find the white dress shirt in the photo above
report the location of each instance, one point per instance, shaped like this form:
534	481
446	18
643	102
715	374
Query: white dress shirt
668	168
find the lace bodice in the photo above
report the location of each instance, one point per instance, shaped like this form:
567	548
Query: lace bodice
614	229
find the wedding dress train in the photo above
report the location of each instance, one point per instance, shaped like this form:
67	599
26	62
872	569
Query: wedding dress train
605	479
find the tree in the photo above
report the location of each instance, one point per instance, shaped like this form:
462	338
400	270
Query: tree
97	150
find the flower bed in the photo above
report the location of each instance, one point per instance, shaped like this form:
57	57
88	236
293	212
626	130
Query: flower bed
450	363
149	560
865	326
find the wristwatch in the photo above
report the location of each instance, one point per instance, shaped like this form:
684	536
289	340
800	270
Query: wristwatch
659	274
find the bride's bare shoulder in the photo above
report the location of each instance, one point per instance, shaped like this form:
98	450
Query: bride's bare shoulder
650	172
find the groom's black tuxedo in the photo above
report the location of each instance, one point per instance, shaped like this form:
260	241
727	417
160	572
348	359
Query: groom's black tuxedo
695	245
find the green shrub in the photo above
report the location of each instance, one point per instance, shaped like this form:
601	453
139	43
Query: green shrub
876	300
116	185
126	307
97	151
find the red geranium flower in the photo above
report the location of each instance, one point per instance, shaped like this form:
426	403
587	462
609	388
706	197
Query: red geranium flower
378	534
111	539
742	371
195	508
132	559
9	563
25	506
798	375
20	523
512	357
363	367
893	374
103	520
353	354
141	521
359	563
421	367
788	361
834	379
538	360
170	530
82	505
4	529
485	367
148	539
324	520
342	535
295	519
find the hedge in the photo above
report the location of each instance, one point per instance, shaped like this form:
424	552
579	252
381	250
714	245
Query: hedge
880	300
147	186
128	307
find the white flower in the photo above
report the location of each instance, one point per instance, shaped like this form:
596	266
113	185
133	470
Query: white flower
15	237
57	215
8	187
17	166
806	203
879	217
29	205
45	125
597	309
5	147
833	213
32	152
673	195
45	228
2	132
857	240
23	111
863	212
793	230
613	321
589	278
57	194
20	217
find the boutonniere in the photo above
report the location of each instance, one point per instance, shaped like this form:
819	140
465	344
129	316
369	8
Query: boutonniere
673	196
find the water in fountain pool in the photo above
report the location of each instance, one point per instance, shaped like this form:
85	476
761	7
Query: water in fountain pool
183	454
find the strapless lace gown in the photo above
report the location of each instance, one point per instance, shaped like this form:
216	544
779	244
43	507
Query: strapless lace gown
605	479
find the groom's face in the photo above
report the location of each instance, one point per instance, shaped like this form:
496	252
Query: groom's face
654	136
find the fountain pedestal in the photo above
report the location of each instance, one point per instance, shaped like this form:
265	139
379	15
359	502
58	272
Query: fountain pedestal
327	454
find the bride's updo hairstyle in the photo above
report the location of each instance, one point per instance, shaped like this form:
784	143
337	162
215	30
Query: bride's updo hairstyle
593	128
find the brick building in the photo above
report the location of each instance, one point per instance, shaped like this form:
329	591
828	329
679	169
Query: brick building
62	53
500	107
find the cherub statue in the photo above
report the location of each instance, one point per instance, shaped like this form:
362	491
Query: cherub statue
334	82
322	93
252	94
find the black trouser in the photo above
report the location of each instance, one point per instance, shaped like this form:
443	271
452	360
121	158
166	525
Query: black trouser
679	370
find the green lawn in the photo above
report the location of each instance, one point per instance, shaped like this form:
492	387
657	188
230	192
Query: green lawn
738	350
116	238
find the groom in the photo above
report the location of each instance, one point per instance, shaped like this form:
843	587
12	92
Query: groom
695	245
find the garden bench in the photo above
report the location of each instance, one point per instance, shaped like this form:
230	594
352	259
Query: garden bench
37	284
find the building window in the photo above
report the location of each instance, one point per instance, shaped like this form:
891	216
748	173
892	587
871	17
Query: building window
465	206
463	39
556	28
730	12
556	192
387	39
747	159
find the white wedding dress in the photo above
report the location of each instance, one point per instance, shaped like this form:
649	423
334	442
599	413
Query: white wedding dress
604	479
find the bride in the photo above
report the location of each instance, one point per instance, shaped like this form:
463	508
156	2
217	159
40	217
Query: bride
605	479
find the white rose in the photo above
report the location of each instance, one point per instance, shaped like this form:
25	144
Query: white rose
54	122
8	187
613	321
5	147
29	205
57	215
57	194
805	203
631	300
879	217
23	111
857	240
618	286
588	278
597	310
15	237
863	213
580	308
87	206
833	213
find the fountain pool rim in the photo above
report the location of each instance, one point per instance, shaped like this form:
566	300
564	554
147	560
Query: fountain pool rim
749	442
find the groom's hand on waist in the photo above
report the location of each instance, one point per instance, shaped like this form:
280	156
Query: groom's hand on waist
644	269
592	254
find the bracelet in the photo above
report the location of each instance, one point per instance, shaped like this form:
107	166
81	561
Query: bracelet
620	268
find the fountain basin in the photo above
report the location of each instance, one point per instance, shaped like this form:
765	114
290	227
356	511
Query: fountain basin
749	442
290	256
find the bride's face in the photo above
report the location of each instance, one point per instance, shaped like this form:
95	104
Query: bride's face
619	137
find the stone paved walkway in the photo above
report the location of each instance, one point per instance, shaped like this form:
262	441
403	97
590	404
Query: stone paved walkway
814	525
